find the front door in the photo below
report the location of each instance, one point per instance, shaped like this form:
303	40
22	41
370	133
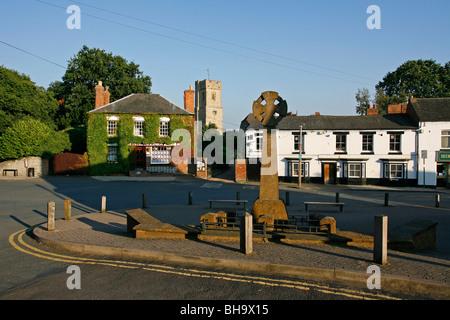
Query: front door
139	153
329	173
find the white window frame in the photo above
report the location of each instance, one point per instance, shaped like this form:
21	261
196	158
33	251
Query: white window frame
342	142
387	170
164	127
293	168
350	173
367	142
396	143
445	136
160	155
111	127
138	129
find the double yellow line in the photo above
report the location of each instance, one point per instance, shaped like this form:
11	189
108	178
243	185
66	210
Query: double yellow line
16	240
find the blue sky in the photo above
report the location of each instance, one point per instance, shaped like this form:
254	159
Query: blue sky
316	54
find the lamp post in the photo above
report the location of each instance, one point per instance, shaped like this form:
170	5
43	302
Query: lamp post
300	157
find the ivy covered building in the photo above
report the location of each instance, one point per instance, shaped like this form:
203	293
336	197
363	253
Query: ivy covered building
132	135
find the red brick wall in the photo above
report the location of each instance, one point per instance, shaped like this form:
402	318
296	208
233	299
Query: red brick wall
240	170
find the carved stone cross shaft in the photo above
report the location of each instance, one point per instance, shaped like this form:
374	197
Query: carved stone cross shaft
269	109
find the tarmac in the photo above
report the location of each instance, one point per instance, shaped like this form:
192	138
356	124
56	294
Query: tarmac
105	234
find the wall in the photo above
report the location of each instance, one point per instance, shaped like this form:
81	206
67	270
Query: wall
320	146
39	165
429	140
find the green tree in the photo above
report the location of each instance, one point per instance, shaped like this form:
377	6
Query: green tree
363	101
85	69
418	78
20	97
30	137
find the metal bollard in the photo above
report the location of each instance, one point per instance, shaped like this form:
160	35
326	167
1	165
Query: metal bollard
438	200
190	198
144	201
238	197
288	200
386	199
337	197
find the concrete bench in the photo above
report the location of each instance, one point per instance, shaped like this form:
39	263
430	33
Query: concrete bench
340	204
144	226
416	235
228	201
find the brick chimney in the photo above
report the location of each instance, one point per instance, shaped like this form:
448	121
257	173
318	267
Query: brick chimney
372	111
106	96
189	104
99	95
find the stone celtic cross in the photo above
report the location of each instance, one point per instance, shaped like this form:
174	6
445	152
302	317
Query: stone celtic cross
269	109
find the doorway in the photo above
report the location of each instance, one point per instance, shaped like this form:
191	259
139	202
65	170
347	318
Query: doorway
139	153
329	173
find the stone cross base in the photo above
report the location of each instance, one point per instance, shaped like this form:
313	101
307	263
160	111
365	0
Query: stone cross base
274	208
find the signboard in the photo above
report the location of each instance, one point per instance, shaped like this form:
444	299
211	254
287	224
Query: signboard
300	156
443	156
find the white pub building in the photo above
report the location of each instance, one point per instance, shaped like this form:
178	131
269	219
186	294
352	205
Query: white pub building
408	146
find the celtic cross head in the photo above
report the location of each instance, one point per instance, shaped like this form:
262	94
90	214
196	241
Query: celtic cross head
272	111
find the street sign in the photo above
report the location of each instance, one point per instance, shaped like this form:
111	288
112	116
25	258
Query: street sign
443	156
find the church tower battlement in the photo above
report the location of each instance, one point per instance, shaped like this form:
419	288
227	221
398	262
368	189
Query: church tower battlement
208	102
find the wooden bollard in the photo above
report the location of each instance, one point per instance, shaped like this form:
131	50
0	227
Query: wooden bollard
337	197
68	209
103	204
380	239
51	216
246	233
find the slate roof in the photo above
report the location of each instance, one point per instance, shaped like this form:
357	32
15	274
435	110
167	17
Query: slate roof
324	122
142	104
429	109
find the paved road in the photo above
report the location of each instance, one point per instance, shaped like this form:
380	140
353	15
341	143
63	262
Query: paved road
23	204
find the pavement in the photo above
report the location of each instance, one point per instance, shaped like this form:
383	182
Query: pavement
105	234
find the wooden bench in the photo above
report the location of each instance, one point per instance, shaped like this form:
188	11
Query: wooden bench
228	201
10	170
340	204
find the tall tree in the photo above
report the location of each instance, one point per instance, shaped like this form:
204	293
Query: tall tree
418	78
76	91
363	101
20	97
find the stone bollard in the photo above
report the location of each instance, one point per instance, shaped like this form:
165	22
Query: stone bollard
103	204
68	209
380	239
246	233
51	216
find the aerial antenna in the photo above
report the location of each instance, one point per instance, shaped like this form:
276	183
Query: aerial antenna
208	73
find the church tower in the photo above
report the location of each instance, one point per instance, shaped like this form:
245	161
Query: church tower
208	102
